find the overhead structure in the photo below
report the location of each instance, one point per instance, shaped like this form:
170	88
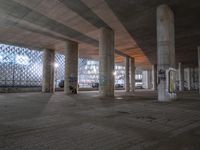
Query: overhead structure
49	25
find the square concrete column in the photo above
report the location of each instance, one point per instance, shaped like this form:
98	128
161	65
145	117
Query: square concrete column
149	79
106	66
132	74
127	75
48	71
181	76
187	78
71	66
154	77
165	50
146	79
199	67
191	78
196	75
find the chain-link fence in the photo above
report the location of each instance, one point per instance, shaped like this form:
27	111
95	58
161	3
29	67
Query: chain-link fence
59	68
20	67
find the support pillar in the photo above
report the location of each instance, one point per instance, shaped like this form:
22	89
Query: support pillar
192	78
196	76
48	71
149	79
154	77
71	66
181	77
165	50
199	67
187	78
106	66
127	79
132	72
146	79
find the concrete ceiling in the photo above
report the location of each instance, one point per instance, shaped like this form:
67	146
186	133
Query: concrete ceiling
49	23
140	22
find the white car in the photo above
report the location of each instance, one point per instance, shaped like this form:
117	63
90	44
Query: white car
138	85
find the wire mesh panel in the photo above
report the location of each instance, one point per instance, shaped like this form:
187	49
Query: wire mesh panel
120	75
20	67
59	68
88	72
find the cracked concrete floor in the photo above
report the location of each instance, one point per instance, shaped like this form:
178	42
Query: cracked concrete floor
37	121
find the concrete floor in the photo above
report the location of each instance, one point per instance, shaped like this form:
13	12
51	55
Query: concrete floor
36	121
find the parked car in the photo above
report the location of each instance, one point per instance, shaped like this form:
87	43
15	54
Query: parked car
119	85
61	84
138	85
95	85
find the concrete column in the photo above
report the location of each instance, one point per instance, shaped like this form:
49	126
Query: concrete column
132	72
196	78
187	78
106	66
48	71
165	50
127	76
71	66
154	77
199	67
192	78
146	79
149	79
181	76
